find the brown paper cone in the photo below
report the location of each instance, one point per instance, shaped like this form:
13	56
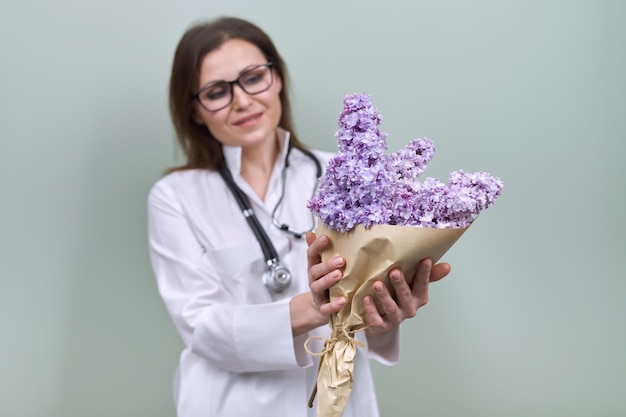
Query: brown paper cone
370	255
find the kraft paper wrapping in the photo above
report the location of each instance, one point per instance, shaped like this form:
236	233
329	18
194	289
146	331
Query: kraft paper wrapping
370	255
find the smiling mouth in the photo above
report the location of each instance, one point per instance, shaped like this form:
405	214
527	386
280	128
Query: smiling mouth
247	119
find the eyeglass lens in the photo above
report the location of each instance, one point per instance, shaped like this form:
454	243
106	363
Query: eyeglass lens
254	81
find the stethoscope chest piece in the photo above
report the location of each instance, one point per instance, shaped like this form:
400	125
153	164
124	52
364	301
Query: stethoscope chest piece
276	278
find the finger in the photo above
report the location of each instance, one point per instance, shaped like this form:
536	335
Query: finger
310	238
316	246
439	271
404	296
319	287
333	306
372	315
314	258
323	276
321	269
390	308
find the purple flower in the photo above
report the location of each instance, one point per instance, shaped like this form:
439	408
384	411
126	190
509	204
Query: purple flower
363	185
410	162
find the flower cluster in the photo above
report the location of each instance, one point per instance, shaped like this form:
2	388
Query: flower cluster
364	185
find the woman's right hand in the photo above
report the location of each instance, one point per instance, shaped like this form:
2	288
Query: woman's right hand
313	309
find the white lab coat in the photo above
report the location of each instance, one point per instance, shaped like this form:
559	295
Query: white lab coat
240	358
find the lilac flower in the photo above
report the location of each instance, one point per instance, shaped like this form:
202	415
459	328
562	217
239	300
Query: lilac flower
363	185
410	162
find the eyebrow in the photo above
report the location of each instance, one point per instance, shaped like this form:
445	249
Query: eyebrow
246	69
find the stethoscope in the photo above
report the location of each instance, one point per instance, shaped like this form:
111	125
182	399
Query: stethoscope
277	277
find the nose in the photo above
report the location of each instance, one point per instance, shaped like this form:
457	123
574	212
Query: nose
241	99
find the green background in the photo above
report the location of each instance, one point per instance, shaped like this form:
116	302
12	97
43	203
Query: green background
529	323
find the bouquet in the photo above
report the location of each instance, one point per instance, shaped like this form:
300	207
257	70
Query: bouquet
379	216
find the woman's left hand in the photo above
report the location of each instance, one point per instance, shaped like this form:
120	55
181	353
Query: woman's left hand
409	298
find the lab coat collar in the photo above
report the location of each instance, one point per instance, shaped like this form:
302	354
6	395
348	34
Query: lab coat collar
232	154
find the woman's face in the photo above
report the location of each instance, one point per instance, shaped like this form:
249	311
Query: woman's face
249	120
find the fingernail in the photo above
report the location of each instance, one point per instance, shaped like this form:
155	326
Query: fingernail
378	287
338	261
341	301
367	301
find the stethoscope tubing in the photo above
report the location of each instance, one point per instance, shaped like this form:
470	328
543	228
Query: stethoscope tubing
269	251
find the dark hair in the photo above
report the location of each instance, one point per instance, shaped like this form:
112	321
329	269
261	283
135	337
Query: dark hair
201	148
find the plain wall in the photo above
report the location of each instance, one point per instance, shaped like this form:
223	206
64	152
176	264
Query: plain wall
531	319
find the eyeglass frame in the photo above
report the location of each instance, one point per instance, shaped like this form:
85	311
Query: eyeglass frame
231	85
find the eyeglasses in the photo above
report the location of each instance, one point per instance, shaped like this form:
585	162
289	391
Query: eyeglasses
219	95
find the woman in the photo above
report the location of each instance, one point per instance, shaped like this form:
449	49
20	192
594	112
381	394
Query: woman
242	320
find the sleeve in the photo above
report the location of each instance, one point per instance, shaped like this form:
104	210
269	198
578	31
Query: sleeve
385	348
237	338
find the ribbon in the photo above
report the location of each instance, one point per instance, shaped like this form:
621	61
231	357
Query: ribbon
339	334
